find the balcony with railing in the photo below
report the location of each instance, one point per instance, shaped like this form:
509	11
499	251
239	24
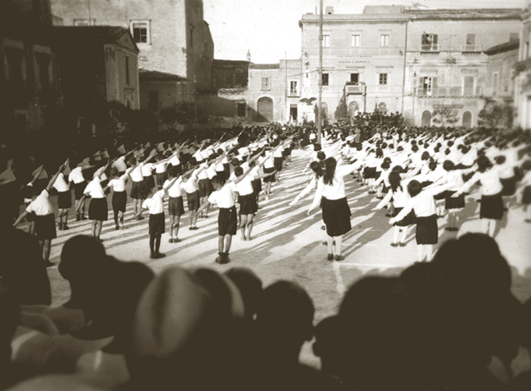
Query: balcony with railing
430	48
472	49
448	92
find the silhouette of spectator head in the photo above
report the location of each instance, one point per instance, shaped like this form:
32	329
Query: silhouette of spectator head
184	331
329	345
284	322
379	343
250	287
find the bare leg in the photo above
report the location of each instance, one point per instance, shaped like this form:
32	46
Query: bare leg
250	224
243	226
396	230
338	240
492	228
94	228
228	242
330	244
429	252
485	226
220	244
98	225
404	234
420	252
46	250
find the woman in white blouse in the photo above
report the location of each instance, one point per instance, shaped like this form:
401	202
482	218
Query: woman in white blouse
491	208
330	195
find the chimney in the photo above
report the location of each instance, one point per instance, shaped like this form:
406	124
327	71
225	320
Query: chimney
329	10
248	55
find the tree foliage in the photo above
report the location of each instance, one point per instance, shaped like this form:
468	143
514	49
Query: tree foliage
445	116
495	115
341	112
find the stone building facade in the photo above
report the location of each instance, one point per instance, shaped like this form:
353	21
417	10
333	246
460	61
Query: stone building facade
98	64
500	84
28	70
407	60
272	94
522	74
172	36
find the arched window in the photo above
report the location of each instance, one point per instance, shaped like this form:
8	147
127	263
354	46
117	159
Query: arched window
467	119
426	118
265	109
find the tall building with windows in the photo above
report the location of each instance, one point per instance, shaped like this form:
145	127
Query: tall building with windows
408	60
171	35
28	70
522	74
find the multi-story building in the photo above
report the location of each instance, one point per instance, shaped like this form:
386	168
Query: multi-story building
273	93
407	60
500	71
522	73
28	70
171	35
98	64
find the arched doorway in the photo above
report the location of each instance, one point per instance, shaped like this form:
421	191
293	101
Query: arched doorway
467	119
265	109
353	108
426	118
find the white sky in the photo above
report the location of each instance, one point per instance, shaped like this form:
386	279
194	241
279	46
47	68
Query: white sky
270	28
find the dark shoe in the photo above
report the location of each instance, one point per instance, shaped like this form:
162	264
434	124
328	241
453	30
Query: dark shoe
48	264
65	227
455	229
159	255
330	257
140	218
78	217
83	217
380	197
152	256
323	227
388	215
60	226
176	240
117	227
394	244
401	244
170	240
339	258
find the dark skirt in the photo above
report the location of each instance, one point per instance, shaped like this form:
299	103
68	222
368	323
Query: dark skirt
45	227
227	221
454	203
221	175
98	209
205	187
427	230
135	191
176	206
441	196
491	207
149	181
79	188
156	224
270	178
509	186
247	204
119	200
526	196
336	216
257	186
406	221
64	199
369	172
161	177
277	161
193	201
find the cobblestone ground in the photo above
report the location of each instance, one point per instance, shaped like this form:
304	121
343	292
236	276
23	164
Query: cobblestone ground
286	244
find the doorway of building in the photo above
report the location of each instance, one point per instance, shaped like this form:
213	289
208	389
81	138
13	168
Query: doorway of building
293	112
265	109
467	119
426	118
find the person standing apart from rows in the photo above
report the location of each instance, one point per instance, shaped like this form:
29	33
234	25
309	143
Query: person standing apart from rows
330	195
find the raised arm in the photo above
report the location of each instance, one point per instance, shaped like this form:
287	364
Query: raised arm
54	178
